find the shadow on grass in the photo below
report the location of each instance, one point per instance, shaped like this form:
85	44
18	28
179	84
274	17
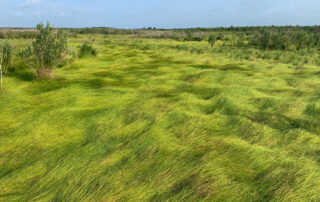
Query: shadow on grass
283	123
223	105
22	74
203	92
47	85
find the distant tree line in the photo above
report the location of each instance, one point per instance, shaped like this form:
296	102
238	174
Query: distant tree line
263	37
17	33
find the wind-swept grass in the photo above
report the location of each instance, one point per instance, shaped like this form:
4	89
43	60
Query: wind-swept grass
141	122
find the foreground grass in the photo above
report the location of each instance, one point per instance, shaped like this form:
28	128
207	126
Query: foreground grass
142	122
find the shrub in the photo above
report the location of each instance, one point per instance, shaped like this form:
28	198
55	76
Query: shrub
47	51
2	35
5	59
212	39
87	50
188	36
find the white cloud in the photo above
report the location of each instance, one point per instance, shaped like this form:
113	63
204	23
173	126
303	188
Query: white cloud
30	3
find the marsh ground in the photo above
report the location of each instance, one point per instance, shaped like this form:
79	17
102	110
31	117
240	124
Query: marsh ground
155	120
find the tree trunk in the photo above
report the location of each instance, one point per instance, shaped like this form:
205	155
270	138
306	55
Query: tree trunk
44	73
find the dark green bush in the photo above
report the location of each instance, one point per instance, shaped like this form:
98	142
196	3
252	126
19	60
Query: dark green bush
87	50
212	40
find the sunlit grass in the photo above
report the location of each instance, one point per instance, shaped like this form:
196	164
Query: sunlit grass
144	122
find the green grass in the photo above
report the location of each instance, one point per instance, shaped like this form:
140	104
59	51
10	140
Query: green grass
144	122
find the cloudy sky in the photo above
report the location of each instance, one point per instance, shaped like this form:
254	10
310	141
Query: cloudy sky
158	13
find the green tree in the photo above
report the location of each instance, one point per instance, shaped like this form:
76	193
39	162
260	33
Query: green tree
5	59
212	40
47	51
189	36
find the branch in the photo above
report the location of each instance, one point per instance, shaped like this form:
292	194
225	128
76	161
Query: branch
61	58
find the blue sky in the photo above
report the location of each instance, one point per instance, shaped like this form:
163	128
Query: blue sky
158	13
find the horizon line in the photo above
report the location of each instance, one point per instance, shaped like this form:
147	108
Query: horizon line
159	28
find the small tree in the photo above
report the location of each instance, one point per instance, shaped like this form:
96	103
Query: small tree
212	39
47	51
5	59
189	36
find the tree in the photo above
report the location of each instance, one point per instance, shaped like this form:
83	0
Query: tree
47	51
189	35
212	39
5	59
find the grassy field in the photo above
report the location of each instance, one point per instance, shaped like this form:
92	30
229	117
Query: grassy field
157	120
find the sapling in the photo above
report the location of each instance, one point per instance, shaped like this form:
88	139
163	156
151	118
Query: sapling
212	39
47	51
5	59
